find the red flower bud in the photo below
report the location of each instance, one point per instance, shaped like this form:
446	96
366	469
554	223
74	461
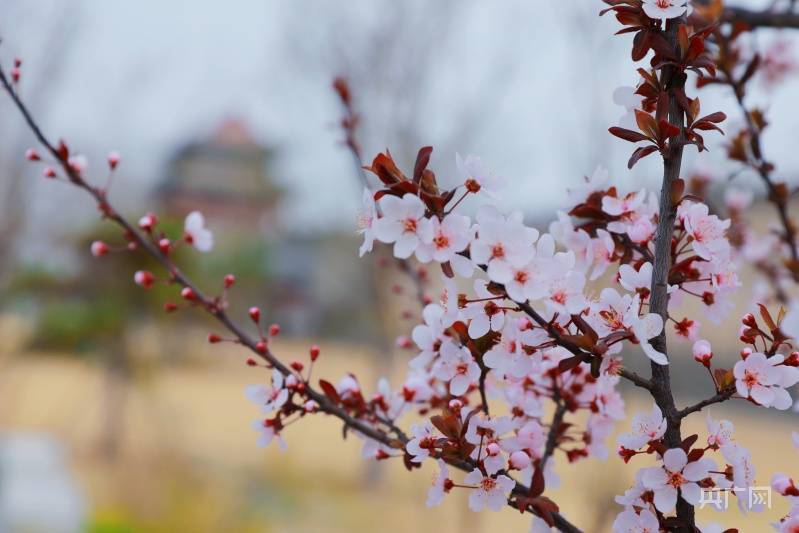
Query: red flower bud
17	62
49	172
297	366
251	362
32	155
169	307
230	279
260	347
15	74
143	278
164	245
255	314
274	330
314	352
213	338
188	294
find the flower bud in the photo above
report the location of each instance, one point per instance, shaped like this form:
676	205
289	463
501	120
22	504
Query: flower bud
746	352
519	460
15	73
113	160
143	278
32	155
274	330
230	279
251	362
49	172
170	307
99	248
703	352
404	342
148	221
493	449
297	366
255	314
314	351
164	246
188	294
213	338
455	405
311	406
260	347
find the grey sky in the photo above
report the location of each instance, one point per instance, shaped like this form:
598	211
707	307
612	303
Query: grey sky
145	76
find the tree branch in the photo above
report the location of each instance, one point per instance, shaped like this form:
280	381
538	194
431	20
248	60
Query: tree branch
721	396
760	19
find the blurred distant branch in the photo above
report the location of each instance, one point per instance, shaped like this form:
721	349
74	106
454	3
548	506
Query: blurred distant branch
767	18
761	19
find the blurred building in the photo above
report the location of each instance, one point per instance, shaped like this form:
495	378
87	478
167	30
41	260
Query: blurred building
311	284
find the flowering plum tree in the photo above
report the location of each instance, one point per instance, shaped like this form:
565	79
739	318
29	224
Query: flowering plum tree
521	360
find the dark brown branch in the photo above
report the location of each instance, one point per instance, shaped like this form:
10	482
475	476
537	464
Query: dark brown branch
211	306
721	396
674	81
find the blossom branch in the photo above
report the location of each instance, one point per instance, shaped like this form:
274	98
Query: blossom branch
721	396
216	309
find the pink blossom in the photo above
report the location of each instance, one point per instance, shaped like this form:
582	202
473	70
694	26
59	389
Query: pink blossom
486	314
676	473
764	380
502	243
446	238
270	398
630	101
629	521
646	428
196	233
719	432
366	220
456	366
491	492
403	223
636	280
266	434
476	176
708	231
440	486
422	441
664	9
596	182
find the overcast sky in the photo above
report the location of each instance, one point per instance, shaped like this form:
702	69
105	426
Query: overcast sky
526	84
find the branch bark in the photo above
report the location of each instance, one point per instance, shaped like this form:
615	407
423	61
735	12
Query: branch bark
659	297
761	19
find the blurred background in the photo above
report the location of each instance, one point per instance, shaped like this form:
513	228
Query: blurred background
115	417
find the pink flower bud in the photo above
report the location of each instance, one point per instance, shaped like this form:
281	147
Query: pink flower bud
703	352
455	405
746	352
311	406
99	248
32	155
143	278
274	330
493	448
164	245
49	172
519	460
404	342
15	73
260	347
78	163
230	279
148	221
255	314
213	338
113	160
297	366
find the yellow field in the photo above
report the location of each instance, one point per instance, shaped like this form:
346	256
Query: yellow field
188	460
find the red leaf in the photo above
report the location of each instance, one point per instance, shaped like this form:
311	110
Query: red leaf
639	154
422	159
330	391
628	135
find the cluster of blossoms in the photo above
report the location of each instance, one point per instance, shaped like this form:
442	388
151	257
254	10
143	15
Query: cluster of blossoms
519	359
